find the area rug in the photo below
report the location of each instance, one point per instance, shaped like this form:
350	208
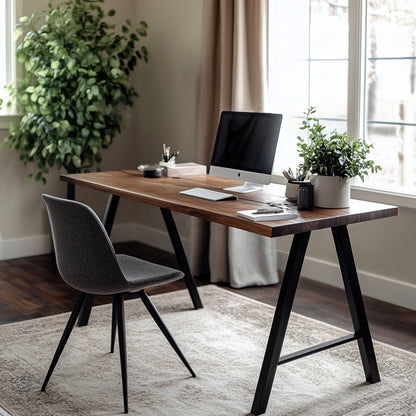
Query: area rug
224	343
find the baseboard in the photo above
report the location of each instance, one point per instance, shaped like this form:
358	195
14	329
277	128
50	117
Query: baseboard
376	286
372	285
38	245
25	247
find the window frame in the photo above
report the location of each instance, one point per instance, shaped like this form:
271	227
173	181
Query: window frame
13	10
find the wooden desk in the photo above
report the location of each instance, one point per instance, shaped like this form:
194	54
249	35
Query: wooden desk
164	193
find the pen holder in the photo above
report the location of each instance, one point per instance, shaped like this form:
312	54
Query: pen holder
291	193
166	163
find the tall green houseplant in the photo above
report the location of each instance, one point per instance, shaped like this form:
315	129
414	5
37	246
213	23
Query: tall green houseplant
76	85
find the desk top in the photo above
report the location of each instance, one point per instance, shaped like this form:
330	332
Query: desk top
164	193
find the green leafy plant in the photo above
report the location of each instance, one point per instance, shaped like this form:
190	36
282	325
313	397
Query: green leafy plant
76	85
334	154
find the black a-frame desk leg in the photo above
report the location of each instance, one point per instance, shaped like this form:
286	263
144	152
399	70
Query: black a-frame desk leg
355	302
284	305
181	257
280	322
108	221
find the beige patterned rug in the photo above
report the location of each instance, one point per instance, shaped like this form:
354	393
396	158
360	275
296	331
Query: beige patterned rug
224	342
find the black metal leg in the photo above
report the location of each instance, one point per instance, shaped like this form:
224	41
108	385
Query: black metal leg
67	332
181	257
84	316
280	322
355	302
110	212
113	325
70	191
119	306
157	318
108	220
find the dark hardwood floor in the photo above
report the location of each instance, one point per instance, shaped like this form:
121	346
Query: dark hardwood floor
31	288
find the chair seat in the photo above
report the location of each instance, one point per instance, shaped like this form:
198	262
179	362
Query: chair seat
141	273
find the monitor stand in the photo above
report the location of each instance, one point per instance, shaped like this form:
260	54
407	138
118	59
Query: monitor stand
244	189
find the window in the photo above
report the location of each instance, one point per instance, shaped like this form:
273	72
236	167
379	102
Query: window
355	61
7	48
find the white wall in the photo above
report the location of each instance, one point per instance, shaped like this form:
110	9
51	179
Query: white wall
166	113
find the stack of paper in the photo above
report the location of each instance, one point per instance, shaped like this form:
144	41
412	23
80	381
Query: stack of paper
273	216
184	169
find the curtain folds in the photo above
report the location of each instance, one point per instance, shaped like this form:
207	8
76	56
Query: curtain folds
233	76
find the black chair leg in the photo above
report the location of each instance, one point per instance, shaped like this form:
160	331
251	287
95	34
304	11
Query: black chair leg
113	326
67	332
157	318
119	306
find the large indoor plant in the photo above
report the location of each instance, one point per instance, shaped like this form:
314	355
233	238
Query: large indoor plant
332	159
76	85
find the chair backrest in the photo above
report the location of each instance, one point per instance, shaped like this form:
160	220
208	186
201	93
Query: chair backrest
84	253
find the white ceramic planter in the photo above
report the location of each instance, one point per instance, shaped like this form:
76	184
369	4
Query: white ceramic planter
331	191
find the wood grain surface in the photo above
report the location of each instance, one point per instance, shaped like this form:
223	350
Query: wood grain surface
164	193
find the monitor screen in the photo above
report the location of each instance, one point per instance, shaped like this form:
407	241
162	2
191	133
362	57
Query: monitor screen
245	146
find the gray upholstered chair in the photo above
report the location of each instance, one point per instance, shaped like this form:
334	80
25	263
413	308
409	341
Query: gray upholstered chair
87	261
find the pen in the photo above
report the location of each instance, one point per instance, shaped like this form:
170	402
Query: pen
164	152
173	157
268	211
287	176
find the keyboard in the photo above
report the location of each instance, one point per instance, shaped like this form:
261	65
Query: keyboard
208	194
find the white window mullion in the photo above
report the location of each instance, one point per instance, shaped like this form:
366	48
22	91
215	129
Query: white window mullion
10	10
357	68
11	48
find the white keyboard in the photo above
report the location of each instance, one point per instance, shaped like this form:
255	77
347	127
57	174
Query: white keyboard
208	194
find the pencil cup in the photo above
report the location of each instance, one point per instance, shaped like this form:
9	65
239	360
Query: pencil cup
291	193
166	163
305	196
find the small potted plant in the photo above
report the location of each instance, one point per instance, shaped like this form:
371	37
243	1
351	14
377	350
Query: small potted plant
332	160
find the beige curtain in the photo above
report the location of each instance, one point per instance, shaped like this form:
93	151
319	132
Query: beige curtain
233	76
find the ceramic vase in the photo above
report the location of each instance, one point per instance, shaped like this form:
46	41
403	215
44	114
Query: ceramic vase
331	191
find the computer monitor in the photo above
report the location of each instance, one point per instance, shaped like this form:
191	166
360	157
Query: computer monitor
245	147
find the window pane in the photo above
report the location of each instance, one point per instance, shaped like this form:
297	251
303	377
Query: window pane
329	29
391	28
391	87
288	29
329	87
339	125
395	150
288	69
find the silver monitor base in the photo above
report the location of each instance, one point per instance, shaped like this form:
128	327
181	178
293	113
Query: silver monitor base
245	188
